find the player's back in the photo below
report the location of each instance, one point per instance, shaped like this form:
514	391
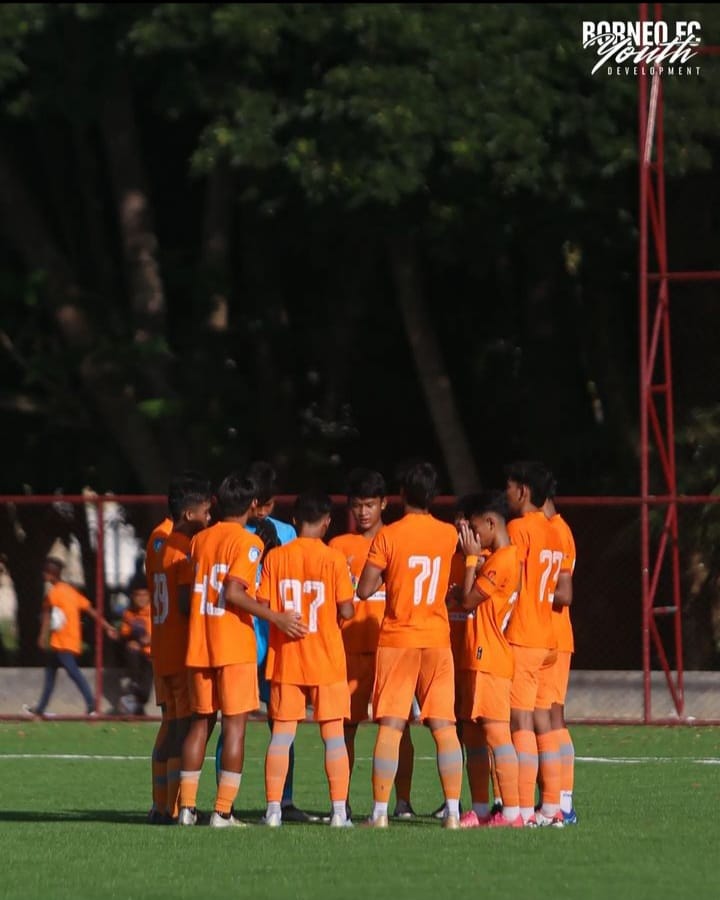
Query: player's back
360	634
311	578
561	619
486	648
540	555
415	554
221	635
168	565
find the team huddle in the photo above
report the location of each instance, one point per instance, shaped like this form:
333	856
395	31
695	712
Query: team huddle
467	624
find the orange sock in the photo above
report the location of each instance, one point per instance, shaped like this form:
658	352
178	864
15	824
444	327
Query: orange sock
450	764
189	782
337	767
506	764
277	759
549	766
406	763
567	769
477	762
227	791
173	786
527	754
385	763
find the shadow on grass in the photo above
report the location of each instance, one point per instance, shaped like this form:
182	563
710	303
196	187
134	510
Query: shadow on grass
118	816
137	817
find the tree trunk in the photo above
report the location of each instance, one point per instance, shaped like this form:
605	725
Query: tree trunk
143	279
430	367
24	228
139	241
214	279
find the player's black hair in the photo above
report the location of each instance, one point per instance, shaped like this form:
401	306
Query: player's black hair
419	484
466	503
487	502
267	532
366	483
265	477
551	489
533	475
235	495
310	507
137	583
186	490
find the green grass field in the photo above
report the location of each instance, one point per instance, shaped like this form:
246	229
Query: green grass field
74	827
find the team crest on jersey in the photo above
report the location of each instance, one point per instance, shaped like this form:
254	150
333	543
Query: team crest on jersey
478	653
254	554
157	544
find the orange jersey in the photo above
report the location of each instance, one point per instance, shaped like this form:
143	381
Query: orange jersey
168	565
360	634
486	647
459	618
159	532
540	555
561	620
65	605
220	634
311	578
415	554
137	624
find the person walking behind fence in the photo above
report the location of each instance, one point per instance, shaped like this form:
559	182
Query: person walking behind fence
60	635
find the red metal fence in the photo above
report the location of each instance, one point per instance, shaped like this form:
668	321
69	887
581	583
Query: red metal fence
608	616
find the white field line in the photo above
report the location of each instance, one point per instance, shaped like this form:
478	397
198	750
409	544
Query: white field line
615	760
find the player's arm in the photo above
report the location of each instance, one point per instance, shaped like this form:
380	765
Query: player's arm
107	627
289	623
184	593
346	610
563	592
472	596
371	578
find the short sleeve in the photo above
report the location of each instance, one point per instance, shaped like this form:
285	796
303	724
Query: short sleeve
344	589
569	557
244	566
81	600
379	554
519	536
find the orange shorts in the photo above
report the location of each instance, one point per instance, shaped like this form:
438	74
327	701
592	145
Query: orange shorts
554	682
288	702
528	663
361	678
232	690
486	696
175	691
404	672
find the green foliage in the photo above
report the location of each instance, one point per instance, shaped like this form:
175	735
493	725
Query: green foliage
477	129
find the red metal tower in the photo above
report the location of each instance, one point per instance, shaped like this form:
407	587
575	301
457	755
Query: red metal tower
657	426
